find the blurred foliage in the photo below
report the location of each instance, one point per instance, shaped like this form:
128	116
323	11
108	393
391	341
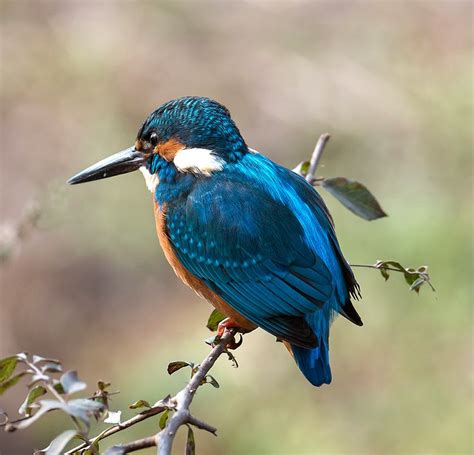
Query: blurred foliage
393	84
40	372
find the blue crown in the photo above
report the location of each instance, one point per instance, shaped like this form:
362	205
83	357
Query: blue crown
196	122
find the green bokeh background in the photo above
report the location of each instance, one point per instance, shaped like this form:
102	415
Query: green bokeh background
391	81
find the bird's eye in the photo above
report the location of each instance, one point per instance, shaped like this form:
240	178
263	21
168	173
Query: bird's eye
154	139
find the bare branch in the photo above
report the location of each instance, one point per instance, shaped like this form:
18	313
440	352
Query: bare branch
134	446
120	427
316	156
202	425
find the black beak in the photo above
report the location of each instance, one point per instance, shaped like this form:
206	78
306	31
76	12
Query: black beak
122	162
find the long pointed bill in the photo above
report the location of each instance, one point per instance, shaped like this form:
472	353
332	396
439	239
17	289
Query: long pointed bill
122	162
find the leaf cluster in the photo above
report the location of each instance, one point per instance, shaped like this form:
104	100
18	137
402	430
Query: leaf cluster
50	390
415	278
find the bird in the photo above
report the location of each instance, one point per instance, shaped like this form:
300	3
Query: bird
250	236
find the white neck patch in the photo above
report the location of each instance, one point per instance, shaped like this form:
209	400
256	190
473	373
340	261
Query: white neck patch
151	180
198	161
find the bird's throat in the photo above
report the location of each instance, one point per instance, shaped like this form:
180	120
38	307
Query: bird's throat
151	180
168	184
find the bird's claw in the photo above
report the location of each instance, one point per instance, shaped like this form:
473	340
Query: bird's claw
229	323
233	344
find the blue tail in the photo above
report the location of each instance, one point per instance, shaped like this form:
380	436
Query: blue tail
314	363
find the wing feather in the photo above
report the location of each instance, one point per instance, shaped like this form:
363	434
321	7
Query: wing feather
250	249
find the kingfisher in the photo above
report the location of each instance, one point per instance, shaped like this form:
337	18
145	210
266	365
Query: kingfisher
251	237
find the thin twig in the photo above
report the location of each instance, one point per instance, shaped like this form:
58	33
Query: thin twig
202	425
134	446
316	156
369	266
120	427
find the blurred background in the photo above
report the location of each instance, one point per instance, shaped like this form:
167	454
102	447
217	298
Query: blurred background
391	81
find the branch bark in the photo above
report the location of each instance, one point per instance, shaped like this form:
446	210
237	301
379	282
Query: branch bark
316	156
134	446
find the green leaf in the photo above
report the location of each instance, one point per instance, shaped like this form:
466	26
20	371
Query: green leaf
393	264
45	406
175	366
59	388
4	386
33	395
113	417
214	319
92	450
84	409
190	443
164	419
302	168
211	380
7	367
22	356
38	377
417	284
51	367
58	444
140	404
355	197
71	383
38	359
103	385
212	341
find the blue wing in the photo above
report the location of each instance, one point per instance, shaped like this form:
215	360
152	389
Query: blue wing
258	236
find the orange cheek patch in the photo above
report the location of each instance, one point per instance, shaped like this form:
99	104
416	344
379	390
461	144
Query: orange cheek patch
169	149
138	145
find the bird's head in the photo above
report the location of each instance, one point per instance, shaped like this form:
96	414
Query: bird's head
190	135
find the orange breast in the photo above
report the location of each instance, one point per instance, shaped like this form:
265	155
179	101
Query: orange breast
188	278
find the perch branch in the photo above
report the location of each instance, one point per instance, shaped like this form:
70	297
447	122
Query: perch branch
183	399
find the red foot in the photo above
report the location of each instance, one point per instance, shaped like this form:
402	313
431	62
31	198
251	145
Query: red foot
229	323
